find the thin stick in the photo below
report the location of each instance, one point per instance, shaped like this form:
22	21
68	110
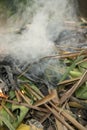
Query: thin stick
56	110
70	81
18	97
55	113
8	111
72	90
59	118
26	105
67	116
45	117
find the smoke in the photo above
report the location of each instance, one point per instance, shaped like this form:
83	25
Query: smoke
28	33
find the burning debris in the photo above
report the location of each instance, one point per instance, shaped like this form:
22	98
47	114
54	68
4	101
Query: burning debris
76	37
41	51
7	75
27	96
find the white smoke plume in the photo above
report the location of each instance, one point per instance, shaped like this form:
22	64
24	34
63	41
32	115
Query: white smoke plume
42	21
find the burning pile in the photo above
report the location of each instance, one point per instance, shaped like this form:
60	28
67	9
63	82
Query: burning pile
26	94
43	66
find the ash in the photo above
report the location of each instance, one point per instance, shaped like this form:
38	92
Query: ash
8	75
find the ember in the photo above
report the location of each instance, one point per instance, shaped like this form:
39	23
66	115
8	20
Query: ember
2	95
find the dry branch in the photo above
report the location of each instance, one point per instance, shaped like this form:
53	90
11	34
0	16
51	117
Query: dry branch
69	93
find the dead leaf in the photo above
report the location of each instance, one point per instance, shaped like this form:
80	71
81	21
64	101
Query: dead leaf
23	127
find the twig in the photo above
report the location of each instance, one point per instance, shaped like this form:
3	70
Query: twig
84	60
45	99
8	111
26	99
56	112
76	105
59	125
72	90
67	116
31	91
45	117
18	97
70	81
26	105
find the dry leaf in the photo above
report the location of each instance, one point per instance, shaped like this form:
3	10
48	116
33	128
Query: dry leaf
23	127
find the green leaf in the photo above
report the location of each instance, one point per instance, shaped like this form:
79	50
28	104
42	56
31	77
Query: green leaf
71	68
82	92
20	117
5	115
75	73
84	64
6	122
